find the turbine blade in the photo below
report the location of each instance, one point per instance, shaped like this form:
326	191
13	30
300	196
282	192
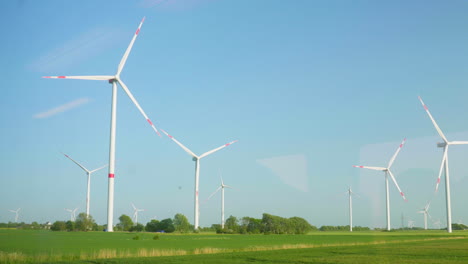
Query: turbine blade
370	168
100	168
137	105
427	206
396	153
459	143
180	144
396	184
92	77
209	197
81	166
433	121
129	48
216	149
134	208
444	158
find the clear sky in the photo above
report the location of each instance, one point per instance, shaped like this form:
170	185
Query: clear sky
309	88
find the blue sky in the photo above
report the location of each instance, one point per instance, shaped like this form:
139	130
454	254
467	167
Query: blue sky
309	88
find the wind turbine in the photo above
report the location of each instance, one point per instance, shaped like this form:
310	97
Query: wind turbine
135	213
387	173
88	172
114	79
16	214
411	223
221	187
197	169
350	193
444	165
425	211
437	224
72	213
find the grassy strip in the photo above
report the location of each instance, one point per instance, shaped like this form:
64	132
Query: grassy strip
440	251
15	257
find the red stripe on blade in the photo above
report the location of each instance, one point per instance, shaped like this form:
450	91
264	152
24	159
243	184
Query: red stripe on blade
138	31
111	175
149	121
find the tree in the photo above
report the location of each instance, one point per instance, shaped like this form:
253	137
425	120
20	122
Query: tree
152	226
125	222
300	225
137	228
181	223
250	225
58	226
84	222
166	225
35	225
70	225
231	224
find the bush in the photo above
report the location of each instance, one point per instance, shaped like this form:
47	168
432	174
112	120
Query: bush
58	226
137	237
156	237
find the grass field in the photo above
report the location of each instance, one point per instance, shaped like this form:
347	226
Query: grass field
21	246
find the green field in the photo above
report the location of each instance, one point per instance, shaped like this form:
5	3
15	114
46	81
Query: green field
22	246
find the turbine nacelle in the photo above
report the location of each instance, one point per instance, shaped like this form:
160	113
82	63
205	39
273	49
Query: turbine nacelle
442	144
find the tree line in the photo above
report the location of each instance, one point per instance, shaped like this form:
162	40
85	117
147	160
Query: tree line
268	224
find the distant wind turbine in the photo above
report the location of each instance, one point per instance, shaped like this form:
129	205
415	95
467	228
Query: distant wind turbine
221	187
387	173
16	214
437	224
135	213
72	213
350	194
444	165
411	223
88	172
197	169
114	79
425	211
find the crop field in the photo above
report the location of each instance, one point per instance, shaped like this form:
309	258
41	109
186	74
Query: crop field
23	246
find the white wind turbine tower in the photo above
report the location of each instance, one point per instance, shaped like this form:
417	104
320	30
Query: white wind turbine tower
221	187
135	213
425	211
387	173
197	170
444	165
411	223
350	193
16	214
72	213
114	79
88	172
